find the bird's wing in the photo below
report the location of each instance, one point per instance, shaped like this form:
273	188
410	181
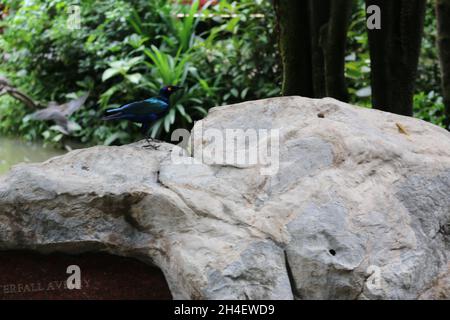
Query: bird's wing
70	107
51	113
152	105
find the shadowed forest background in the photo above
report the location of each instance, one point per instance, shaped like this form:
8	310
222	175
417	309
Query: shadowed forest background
222	52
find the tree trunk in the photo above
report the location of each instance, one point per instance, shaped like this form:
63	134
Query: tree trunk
312	36
443	18
294	41
394	54
334	49
319	13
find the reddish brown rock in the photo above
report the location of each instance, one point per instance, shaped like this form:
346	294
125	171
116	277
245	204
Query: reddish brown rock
27	275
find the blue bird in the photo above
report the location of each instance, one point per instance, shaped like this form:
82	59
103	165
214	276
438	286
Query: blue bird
145	112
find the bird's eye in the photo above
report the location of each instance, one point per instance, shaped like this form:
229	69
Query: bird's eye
170	89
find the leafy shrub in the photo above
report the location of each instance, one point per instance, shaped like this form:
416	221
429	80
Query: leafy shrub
429	107
428	103
357	66
126	50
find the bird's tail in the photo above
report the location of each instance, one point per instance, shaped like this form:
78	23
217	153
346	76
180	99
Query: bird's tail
114	116
114	110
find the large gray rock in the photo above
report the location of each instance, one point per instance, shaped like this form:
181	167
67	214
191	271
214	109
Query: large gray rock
358	206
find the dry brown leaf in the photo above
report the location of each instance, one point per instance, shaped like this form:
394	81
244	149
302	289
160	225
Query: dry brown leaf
402	129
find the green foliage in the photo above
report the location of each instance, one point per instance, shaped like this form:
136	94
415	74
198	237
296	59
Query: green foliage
127	50
246	54
357	64
428	103
429	78
11	120
429	107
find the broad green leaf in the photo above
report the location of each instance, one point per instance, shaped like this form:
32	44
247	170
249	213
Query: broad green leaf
183	113
58	137
113	138
156	128
109	73
171	116
134	78
117	64
201	110
166	123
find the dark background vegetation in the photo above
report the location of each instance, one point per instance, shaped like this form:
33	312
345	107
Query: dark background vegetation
126	50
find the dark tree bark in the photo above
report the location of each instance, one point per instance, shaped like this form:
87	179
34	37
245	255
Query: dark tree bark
312	36
394	54
319	13
295	49
443	18
334	49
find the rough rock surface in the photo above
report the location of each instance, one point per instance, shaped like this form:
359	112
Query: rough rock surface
359	208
